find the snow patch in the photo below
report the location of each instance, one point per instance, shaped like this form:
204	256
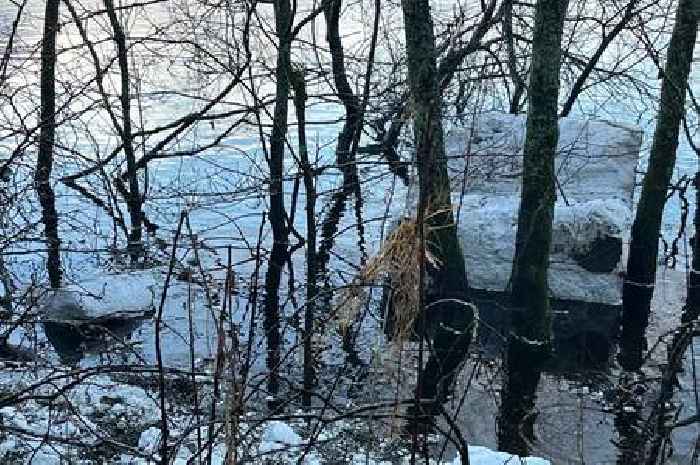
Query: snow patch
484	456
278	436
149	441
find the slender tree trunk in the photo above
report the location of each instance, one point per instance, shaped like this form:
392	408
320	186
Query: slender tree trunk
278	216
447	297
7	285
528	344
638	287
133	198
6	199
44	163
646	440
307	169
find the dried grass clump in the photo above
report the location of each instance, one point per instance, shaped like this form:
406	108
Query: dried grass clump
398	258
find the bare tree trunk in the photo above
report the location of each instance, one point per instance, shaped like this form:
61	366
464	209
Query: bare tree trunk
133	198
692	302
307	169
646	440
44	163
638	287
518	81
447	296
278	216
528	344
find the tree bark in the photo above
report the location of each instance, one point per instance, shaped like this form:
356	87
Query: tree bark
278	216
529	342
133	198
44	163
692	303
446	297
638	287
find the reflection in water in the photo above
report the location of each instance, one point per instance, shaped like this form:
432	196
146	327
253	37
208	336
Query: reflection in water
517	413
584	336
584	333
584	344
628	421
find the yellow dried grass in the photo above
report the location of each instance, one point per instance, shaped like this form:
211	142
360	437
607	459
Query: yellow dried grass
398	258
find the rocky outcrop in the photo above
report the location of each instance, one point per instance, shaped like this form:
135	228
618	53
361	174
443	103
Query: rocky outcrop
595	166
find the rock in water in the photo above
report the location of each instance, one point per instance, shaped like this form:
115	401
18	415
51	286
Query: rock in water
64	306
103	298
595	166
88	316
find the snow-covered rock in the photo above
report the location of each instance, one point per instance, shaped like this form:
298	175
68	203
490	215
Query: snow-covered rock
278	436
595	166
111	296
595	159
484	456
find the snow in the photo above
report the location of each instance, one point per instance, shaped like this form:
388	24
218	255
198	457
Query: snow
100	402
279	436
484	456
149	440
595	159
280	439
487	228
89	410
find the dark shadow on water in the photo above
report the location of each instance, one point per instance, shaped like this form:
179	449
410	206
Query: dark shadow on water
584	340
585	334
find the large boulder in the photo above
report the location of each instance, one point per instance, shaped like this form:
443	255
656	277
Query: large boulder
90	315
596	170
107	297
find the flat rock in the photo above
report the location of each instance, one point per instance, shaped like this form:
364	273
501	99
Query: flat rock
102	298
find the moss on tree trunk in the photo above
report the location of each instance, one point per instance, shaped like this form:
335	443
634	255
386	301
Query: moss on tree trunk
528	344
446	288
